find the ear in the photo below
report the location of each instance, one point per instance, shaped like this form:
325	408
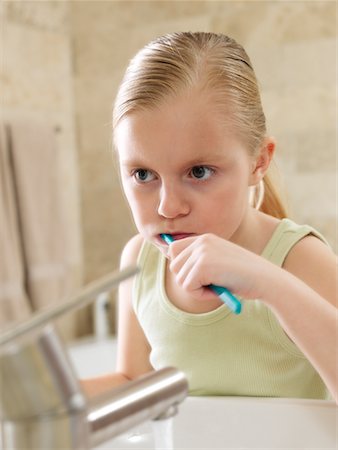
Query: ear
262	161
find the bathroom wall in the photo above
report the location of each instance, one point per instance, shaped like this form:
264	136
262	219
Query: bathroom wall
36	81
292	46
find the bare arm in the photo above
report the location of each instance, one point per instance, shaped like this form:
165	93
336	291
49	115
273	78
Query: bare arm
132	347
304	299
102	383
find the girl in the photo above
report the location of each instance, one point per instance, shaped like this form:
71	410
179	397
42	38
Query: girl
192	145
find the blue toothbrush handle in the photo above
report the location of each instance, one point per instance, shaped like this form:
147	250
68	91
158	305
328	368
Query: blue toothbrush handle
227	297
223	293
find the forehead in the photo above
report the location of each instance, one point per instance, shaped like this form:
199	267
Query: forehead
190	126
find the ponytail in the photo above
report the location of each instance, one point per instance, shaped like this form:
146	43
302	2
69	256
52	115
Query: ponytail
272	203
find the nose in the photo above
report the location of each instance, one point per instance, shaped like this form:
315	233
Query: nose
173	202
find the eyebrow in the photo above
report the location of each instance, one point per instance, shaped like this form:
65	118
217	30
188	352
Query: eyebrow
197	161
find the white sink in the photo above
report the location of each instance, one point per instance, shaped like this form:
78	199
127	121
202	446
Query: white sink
241	423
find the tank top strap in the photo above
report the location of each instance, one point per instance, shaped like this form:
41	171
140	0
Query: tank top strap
285	237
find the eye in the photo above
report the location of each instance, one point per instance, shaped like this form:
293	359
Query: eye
143	175
201	172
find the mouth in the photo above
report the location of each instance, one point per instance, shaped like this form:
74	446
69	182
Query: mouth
178	236
175	236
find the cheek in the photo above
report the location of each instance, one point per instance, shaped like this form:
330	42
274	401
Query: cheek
131	197
140	205
224	210
229	195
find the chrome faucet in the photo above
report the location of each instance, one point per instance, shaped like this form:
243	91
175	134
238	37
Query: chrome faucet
42	405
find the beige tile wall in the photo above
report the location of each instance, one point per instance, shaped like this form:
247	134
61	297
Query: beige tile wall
36	80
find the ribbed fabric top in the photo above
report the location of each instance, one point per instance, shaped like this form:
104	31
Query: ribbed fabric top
222	353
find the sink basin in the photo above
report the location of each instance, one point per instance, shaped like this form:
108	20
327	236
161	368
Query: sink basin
237	423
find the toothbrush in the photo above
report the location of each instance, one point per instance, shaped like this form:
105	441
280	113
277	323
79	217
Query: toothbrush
223	293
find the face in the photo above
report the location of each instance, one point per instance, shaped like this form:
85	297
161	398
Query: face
183	172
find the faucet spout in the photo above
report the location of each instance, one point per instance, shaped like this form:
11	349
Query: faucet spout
150	397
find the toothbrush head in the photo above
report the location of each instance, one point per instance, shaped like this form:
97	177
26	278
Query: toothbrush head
167	238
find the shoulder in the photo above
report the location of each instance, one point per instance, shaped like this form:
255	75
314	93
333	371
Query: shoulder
310	247
314	262
131	251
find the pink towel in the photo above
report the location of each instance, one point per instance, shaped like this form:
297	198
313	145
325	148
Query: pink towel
14	303
45	236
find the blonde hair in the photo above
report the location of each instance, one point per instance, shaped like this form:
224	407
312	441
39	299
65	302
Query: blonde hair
172	64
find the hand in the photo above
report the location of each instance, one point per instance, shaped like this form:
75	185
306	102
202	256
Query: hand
208	259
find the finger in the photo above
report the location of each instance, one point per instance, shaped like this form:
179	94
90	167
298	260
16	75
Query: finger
182	269
177	247
188	269
178	261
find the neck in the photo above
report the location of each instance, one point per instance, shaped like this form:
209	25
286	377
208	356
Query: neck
255	231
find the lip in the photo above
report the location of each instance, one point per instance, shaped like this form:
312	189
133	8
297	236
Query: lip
178	236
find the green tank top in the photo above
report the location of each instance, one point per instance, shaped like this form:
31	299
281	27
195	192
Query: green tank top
222	353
